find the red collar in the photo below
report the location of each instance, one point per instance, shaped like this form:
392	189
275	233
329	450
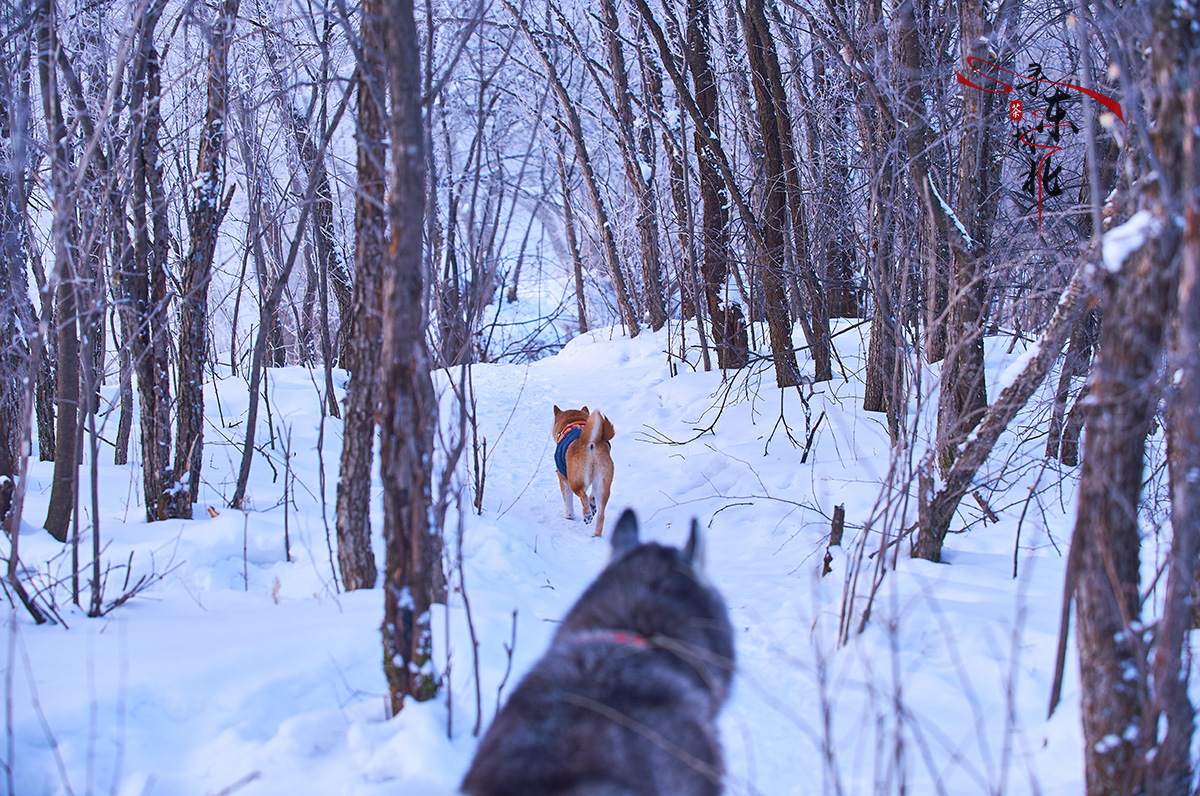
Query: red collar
622	637
563	433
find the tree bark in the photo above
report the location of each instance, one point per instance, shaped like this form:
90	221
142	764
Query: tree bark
814	318
17	318
879	137
962	399
568	214
728	325
1169	722
22	349
1137	716
1171	770
409	411
774	214
146	278
1106	541
1075	365
270	306
204	219
258	228
677	177
63	234
94	220
365	334
635	161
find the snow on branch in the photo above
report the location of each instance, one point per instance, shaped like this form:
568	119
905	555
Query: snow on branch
968	241
1126	239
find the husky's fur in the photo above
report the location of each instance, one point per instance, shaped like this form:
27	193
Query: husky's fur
624	703
589	464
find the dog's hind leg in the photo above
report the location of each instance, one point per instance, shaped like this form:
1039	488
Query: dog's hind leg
586	504
568	506
600	488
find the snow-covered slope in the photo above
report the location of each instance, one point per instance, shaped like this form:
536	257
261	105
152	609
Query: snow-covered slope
241	672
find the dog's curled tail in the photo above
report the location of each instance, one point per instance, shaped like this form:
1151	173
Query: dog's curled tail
598	429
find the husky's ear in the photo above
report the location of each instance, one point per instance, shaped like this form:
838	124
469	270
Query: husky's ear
557	411
693	552
625	535
584	410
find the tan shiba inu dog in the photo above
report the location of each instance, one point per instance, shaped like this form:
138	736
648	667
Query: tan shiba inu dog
582	457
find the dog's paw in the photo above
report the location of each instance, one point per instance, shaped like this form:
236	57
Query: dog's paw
587	518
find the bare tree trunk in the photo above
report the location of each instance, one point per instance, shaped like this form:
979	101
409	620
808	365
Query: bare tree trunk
454	338
677	176
125	388
270	307
120	258
574	128
717	180
409	410
329	262
1075	365
963	396
635	162
1168	722
1171	769
306	319
24	334
814	319
43	391
1106	541
835	232
43	396
257	228
94	219
912	118
203	221
729	329
883	389
122	265
935	511
155	316
63	233
146	278
774	217
365	332
568	214
17	319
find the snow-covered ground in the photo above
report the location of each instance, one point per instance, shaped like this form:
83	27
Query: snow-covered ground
242	672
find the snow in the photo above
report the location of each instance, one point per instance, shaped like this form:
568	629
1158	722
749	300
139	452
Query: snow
1009	376
1126	239
970	242
240	671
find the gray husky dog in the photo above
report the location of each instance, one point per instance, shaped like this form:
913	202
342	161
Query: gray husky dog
625	701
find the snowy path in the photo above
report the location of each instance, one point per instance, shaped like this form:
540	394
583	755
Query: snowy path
252	672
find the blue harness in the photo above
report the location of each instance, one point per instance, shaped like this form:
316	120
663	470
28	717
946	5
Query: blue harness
560	450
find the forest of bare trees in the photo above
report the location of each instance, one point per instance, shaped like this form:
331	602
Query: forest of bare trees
225	187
